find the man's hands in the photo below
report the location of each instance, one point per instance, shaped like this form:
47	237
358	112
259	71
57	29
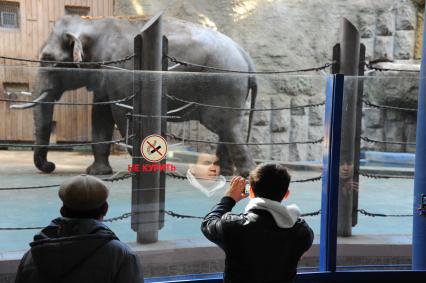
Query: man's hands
236	188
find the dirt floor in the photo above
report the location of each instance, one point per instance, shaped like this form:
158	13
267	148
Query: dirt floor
67	162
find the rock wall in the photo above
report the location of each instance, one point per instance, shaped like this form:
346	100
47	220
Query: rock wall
293	34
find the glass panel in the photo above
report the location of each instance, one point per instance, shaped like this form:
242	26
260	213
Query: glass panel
375	209
205	110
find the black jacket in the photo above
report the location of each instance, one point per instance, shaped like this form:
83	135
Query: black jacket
257	250
78	251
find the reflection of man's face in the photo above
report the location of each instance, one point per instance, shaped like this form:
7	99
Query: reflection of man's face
346	170
207	166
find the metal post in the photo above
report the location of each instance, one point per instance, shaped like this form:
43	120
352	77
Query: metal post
330	172
348	65
419	221
145	185
165	65
357	147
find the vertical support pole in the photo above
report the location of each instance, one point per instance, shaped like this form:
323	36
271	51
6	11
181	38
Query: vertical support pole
358	128
164	66
330	172
349	65
419	221
146	185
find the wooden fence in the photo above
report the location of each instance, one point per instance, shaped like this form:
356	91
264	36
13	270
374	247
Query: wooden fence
35	19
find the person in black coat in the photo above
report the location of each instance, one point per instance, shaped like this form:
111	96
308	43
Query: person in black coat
265	243
78	247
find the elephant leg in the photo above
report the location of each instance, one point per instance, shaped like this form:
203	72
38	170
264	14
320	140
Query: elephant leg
43	114
225	161
102	129
120	120
240	154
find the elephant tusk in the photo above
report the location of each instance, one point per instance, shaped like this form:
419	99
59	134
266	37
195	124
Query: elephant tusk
30	104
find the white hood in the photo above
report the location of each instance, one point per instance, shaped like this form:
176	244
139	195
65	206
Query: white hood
284	216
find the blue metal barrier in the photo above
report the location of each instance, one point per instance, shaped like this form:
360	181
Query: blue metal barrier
388	276
419	222
330	171
205	278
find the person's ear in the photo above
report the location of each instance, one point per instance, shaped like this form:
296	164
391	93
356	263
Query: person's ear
287	194
105	208
62	211
251	193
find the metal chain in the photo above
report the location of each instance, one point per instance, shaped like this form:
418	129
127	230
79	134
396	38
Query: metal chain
177	215
110	179
368	103
380	176
60	145
315	213
20	228
245	109
188	64
386	142
320	140
183	216
154	116
121	217
371	214
69	103
97	63
314	179
176	176
28	187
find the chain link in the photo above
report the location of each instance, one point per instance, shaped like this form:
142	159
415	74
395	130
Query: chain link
381	176
67	63
245	109
110	179
371	214
176	176
188	64
386	142
184	216
59	145
69	103
320	140
368	103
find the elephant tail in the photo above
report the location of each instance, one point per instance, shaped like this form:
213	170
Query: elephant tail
253	94
252	87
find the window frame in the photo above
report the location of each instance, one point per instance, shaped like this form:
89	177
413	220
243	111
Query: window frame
11	8
76	10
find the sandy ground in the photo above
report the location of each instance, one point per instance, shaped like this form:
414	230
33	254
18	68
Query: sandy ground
67	162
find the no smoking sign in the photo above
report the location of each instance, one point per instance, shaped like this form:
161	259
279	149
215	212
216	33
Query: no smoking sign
154	148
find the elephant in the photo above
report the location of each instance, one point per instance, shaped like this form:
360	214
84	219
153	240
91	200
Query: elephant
78	39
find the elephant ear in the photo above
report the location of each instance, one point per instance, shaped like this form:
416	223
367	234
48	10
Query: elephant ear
75	41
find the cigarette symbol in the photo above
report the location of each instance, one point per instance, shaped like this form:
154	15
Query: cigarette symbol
155	149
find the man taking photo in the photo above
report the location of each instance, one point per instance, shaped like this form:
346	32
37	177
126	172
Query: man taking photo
264	244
